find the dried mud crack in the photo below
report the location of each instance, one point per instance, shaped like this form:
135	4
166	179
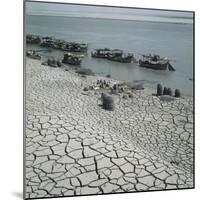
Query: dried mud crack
74	147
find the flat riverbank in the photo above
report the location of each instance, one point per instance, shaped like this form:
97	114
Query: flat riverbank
74	147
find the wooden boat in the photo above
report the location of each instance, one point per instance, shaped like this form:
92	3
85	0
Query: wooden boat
72	59
119	56
58	44
113	55
51	42
153	65
47	43
155	62
74	47
101	53
33	54
33	39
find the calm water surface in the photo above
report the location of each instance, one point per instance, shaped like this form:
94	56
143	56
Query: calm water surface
171	40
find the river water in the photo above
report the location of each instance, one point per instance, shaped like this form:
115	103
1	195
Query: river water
172	40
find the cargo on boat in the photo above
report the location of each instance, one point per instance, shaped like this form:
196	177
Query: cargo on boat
51	42
101	53
74	47
33	54
58	44
155	62
120	56
72	59
113	55
47	42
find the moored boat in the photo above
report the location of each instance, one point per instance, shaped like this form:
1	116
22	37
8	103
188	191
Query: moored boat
101	53
33	54
74	47
120	56
33	39
155	62
72	59
51	42
114	55
47	42
58	44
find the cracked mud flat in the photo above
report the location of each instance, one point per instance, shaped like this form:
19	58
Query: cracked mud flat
74	147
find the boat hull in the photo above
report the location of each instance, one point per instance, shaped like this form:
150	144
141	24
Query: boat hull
33	55
71	60
155	66
95	55
74	50
48	45
121	60
127	59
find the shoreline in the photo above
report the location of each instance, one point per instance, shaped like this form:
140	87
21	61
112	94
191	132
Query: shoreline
69	134
148	83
